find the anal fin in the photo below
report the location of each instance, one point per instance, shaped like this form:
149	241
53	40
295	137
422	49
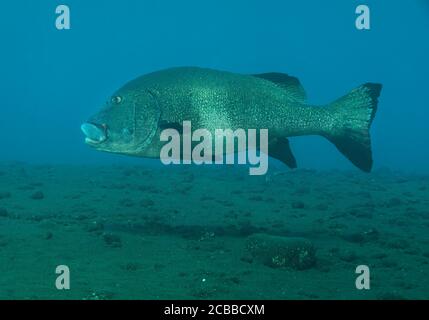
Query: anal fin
279	148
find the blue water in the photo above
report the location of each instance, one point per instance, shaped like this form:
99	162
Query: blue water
53	80
152	223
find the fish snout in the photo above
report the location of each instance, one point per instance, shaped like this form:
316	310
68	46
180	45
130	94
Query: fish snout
94	133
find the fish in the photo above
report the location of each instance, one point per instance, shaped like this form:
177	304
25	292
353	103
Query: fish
131	122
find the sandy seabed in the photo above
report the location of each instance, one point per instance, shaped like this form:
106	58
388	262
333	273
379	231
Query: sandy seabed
155	232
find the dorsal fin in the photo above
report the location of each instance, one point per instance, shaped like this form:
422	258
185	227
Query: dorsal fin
292	85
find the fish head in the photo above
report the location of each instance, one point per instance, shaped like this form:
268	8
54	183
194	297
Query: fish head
126	125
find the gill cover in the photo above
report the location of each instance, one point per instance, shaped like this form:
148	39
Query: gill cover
147	113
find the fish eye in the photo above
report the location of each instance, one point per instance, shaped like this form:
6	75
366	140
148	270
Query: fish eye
116	99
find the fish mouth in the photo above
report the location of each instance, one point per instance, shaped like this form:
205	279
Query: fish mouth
95	134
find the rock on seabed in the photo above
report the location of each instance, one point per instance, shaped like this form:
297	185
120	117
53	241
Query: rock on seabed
278	252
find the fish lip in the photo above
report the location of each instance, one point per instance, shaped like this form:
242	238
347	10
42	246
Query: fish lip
89	140
94	142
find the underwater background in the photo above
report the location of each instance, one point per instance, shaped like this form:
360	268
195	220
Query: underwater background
134	228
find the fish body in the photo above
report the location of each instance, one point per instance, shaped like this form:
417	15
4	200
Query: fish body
133	119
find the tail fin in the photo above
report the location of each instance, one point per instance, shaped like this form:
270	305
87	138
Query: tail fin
354	115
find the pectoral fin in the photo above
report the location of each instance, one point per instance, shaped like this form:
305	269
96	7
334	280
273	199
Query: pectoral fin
279	148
